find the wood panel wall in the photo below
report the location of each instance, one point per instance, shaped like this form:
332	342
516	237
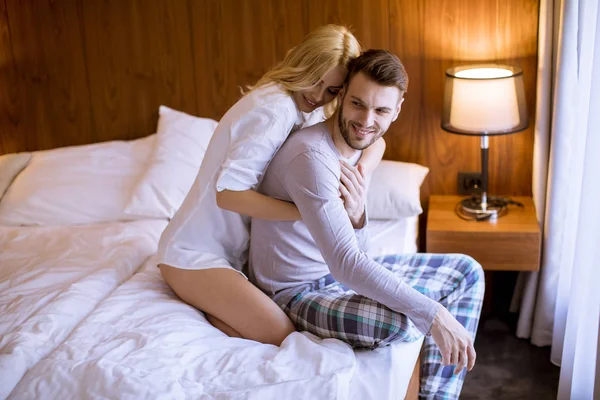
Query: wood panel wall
82	71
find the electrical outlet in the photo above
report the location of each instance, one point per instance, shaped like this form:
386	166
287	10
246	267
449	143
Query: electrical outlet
469	183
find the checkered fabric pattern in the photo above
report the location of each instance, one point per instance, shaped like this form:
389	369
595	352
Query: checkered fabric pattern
329	310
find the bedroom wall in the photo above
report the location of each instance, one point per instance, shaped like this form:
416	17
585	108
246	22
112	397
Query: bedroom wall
74	72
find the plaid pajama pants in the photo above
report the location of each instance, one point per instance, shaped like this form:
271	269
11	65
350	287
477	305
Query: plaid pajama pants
329	310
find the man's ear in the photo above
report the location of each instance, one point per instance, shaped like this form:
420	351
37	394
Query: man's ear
398	108
341	93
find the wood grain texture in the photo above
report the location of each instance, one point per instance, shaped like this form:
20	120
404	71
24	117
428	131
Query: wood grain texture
50	79
94	70
512	243
139	56
9	89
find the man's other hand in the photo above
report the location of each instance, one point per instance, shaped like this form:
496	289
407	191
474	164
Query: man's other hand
454	341
353	192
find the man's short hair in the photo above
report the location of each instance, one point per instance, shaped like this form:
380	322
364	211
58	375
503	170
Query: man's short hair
380	66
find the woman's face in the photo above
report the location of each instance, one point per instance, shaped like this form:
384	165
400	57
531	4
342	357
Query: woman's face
323	92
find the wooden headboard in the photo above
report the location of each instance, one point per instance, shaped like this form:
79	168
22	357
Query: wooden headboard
74	72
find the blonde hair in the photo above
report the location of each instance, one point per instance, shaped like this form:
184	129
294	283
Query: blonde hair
305	65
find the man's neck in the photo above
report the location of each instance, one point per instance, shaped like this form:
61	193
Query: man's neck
338	140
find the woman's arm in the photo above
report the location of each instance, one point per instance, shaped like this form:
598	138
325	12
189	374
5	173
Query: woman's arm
371	156
256	205
255	138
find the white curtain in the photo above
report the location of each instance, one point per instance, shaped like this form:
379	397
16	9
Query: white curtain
560	305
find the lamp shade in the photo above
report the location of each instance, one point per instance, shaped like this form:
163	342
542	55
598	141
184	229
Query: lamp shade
486	99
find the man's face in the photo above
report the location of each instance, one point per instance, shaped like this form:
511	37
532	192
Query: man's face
367	109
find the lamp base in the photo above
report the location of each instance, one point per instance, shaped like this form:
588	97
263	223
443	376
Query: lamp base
473	209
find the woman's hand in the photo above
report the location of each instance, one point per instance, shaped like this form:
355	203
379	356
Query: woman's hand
353	192
454	341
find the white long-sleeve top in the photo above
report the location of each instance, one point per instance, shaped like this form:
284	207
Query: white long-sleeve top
285	254
202	235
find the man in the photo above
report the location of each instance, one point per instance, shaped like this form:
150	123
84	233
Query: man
316	269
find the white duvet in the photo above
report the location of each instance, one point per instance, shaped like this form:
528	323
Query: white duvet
80	319
84	313
142	342
52	278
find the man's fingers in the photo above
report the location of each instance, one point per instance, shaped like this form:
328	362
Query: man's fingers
347	183
357	172
454	356
462	361
348	179
446	356
349	173
345	193
353	173
472	357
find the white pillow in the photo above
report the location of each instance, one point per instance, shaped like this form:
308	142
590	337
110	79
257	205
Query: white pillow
10	166
76	185
394	190
181	142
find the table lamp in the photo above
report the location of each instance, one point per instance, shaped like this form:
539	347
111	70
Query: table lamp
484	100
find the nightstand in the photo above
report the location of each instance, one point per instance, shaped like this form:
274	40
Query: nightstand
511	243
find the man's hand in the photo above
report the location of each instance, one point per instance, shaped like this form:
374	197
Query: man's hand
353	192
453	340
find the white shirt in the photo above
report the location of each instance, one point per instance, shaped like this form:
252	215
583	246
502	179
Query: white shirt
201	235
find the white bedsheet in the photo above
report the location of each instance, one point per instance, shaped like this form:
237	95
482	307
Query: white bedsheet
52	278
142	342
385	373
72	329
395	236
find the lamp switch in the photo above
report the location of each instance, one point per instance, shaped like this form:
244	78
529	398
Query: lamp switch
469	183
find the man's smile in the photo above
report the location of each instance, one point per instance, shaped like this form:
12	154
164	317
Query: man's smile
361	132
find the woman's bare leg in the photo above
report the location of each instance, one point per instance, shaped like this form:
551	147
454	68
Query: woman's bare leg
232	301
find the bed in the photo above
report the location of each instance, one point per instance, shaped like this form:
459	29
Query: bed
86	314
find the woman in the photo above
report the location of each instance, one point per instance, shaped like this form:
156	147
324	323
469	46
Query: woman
204	247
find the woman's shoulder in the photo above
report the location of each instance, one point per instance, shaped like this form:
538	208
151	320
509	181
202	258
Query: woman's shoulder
273	96
268	105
